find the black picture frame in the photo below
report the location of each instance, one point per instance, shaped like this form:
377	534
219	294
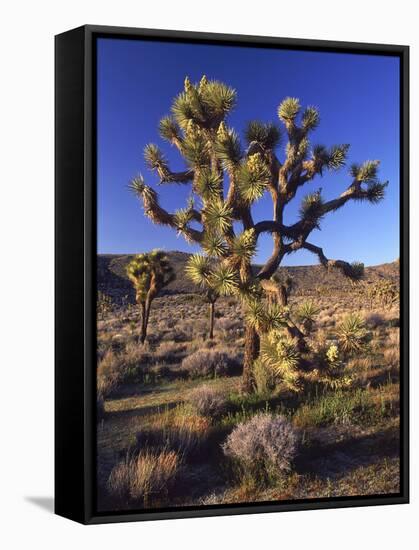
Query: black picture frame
75	268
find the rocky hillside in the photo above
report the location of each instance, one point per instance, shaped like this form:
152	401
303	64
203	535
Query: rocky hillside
112	279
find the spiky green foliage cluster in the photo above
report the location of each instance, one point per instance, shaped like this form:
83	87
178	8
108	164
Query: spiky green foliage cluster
367	173
205	104
254	177
311	208
289	109
209	185
169	130
351	334
266	317
218	215
310	119
280	355
243	246
354	271
150	271
228	147
218	276
268	136
306	314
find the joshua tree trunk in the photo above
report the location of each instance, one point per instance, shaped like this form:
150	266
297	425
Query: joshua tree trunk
212	317
283	298
251	352
143	333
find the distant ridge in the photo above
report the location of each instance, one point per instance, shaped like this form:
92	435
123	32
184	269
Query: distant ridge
112	279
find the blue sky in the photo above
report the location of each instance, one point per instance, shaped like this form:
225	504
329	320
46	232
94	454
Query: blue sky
358	99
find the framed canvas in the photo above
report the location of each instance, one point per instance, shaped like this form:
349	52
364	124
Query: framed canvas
231	274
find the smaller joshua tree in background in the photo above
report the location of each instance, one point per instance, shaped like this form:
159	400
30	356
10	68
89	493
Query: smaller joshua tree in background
149	273
198	271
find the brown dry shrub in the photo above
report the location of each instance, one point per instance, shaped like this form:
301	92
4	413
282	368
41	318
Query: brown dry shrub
147	475
208	401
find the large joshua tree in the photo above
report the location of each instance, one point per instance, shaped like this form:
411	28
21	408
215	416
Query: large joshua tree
149	273
227	180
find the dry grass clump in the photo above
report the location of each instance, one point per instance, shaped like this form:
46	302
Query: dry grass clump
149	474
264	447
177	431
206	363
108	373
208	401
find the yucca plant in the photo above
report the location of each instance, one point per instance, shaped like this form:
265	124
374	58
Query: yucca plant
306	314
281	356
351	334
149	273
228	178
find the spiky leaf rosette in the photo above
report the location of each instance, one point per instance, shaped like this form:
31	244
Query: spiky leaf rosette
196	150
154	157
199	270
169	130
218	99
182	218
355	271
243	246
218	216
310	119
289	109
311	208
224	280
266	318
366	172
227	147
208	185
351	334
253	179
214	245
266	135
307	311
206	104
281	355
337	156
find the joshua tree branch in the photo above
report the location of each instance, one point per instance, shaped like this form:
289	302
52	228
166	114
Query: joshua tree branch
167	176
346	268
159	215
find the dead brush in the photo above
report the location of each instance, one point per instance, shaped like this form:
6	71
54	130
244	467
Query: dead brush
177	430
146	476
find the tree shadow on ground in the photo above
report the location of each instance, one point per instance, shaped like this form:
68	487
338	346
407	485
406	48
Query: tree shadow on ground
340	457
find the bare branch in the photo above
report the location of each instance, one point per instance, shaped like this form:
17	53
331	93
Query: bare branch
353	271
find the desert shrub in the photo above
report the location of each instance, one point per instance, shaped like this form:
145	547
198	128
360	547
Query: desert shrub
208	401
263	448
280	355
144	476
108	373
130	364
169	352
208	363
352	334
375	320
